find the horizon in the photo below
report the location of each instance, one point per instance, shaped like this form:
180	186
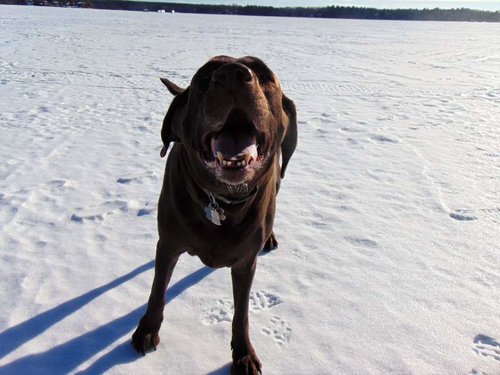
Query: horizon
382	4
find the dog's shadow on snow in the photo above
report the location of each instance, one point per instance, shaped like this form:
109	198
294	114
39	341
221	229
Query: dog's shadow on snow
66	357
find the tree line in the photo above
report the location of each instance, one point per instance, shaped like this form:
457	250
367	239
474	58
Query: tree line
436	14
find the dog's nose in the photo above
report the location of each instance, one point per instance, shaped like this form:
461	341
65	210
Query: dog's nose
233	73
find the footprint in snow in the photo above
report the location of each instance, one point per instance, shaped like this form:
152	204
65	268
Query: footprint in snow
279	330
262	300
383	139
362	242
486	346
476	372
222	311
100	212
61	185
462	216
351	129
136	179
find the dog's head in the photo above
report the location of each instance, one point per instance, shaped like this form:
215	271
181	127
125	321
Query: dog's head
233	119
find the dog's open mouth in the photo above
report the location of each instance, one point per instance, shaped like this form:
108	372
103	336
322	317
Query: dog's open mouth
235	148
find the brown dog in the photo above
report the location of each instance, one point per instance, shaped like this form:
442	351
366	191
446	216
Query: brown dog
230	127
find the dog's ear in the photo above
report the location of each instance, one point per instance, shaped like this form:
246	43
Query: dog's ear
289	141
172	123
172	87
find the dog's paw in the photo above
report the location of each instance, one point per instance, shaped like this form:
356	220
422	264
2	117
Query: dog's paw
246	365
145	338
245	361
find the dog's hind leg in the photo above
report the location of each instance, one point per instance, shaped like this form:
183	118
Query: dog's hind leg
245	360
145	337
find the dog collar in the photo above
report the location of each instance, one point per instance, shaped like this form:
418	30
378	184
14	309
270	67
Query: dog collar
231	201
214	212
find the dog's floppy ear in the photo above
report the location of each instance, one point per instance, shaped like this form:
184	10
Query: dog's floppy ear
172	122
289	141
172	87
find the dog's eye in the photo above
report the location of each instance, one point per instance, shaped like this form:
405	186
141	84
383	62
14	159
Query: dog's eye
203	83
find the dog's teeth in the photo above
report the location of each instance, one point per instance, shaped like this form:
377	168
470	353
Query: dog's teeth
219	156
235	163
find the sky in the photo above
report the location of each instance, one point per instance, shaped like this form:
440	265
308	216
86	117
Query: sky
473	4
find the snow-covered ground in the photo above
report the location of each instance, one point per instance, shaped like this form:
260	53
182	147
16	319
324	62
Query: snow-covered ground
388	218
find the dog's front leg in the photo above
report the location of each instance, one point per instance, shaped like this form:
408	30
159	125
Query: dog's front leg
245	360
146	335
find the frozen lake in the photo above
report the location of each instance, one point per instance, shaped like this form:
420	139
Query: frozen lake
388	219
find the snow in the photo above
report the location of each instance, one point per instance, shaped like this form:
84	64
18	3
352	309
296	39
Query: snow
388	218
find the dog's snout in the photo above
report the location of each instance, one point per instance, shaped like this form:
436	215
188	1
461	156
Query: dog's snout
231	74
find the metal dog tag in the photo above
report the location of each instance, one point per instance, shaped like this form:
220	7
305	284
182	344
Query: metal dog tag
213	212
212	215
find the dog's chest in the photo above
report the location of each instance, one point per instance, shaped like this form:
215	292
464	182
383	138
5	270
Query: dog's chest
219	248
214	260
217	256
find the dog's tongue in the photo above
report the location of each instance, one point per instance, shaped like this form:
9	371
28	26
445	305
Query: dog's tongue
235	146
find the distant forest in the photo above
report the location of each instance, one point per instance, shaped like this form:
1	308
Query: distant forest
436	14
